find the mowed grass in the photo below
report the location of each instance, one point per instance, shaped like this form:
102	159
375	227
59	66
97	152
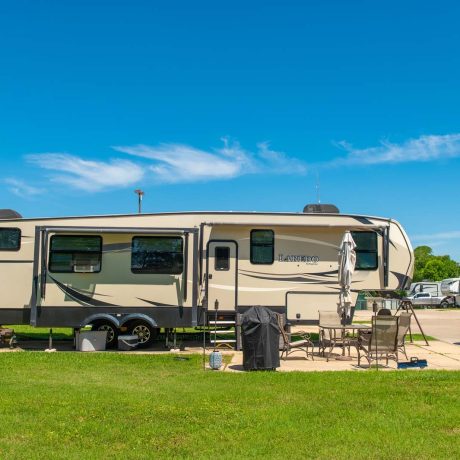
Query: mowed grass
109	405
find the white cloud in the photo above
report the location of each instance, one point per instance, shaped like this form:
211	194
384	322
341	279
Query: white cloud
184	163
21	188
88	175
444	240
424	148
452	235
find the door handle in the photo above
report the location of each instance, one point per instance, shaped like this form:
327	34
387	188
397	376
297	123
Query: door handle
210	277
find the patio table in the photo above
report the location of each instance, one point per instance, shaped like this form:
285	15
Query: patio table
343	329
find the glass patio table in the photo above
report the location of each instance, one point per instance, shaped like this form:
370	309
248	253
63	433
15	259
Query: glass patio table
335	338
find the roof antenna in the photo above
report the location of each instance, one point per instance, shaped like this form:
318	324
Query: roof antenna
318	199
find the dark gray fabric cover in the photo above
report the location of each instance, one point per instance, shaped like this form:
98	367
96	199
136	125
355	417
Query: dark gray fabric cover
9	214
260	333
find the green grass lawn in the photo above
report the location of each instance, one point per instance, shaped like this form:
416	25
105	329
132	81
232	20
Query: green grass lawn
108	405
24	331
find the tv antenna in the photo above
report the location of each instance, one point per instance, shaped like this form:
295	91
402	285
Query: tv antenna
318	199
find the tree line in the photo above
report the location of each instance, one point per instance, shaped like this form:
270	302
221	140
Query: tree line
433	268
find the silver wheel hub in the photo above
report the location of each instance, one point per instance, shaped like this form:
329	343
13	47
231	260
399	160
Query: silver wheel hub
143	332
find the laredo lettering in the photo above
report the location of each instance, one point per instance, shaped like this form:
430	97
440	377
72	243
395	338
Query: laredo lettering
298	258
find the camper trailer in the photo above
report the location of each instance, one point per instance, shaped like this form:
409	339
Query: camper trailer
451	287
430	287
149	271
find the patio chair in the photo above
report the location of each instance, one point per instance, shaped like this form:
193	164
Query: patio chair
289	346
330	338
404	325
381	342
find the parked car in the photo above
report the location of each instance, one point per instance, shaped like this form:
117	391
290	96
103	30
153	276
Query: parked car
428	300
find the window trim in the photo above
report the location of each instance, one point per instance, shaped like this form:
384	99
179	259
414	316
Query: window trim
18	248
63	251
228	259
367	251
136	272
251	246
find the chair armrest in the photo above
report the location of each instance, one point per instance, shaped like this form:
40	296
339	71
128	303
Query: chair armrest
364	336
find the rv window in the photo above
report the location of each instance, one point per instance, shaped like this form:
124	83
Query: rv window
222	258
10	239
262	247
366	250
75	254
157	254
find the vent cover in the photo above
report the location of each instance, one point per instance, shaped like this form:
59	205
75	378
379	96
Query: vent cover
321	209
9	214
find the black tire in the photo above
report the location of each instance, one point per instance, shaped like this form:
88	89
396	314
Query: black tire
145	331
444	304
112	332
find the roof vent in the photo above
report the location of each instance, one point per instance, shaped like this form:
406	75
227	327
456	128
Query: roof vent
321	209
9	214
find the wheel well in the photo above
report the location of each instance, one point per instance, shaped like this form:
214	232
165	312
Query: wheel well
101	318
128	320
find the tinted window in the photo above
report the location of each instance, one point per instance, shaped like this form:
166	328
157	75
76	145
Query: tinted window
157	254
366	250
75	254
262	247
222	258
10	239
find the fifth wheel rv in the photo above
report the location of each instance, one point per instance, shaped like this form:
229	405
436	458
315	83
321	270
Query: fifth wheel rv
149	271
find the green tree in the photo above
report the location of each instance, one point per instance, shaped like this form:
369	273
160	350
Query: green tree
422	255
434	268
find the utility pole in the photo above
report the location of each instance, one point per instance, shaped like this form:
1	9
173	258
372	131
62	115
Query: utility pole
139	194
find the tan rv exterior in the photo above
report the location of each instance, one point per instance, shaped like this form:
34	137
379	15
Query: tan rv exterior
298	273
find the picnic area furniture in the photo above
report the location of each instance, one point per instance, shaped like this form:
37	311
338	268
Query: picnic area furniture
342	336
381	342
289	346
403	328
329	335
333	333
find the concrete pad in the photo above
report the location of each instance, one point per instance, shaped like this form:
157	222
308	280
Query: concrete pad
439	355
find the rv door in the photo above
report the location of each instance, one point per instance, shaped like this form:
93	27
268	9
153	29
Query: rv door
222	275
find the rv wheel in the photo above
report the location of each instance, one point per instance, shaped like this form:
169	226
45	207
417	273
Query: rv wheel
146	333
112	332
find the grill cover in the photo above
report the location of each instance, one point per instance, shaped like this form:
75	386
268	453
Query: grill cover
260	334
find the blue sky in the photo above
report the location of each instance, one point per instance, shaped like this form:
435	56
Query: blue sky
229	105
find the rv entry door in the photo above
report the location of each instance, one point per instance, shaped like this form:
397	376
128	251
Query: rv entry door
222	270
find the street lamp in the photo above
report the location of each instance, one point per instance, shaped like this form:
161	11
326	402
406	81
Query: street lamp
139	194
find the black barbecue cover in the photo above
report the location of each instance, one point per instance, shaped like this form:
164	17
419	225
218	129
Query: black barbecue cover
260	334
